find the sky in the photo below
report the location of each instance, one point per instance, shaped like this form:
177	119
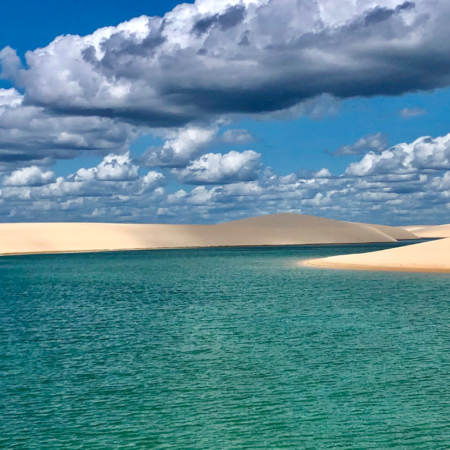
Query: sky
216	110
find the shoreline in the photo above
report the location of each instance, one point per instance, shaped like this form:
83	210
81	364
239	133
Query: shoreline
138	249
369	268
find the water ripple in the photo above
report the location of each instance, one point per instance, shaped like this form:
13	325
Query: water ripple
221	349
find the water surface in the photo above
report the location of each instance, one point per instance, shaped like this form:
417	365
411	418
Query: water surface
221	349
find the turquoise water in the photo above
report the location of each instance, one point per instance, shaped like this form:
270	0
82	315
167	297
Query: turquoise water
221	349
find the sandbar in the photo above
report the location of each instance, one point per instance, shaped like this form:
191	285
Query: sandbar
431	256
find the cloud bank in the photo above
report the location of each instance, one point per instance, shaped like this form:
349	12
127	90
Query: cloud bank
407	183
238	57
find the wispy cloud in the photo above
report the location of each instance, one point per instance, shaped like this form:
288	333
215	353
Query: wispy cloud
370	143
407	113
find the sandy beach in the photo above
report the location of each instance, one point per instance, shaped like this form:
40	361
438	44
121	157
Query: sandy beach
277	229
422	257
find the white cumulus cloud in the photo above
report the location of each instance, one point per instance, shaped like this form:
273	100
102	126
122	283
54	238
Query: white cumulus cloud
423	154
29	176
117	168
182	146
215	168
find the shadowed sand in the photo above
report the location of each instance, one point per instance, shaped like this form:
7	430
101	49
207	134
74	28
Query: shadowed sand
424	257
277	229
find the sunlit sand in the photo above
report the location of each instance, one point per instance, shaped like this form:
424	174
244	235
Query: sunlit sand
431	256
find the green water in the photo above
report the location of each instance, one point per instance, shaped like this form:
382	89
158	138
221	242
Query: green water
221	349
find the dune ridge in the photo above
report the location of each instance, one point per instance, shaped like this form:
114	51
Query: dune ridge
277	229
431	256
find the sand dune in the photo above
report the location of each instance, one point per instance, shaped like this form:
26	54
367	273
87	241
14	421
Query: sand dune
437	231
424	257
278	229
303	229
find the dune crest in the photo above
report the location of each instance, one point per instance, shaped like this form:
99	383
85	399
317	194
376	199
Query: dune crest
277	229
423	257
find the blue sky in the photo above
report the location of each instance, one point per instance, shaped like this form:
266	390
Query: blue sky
226	109
26	25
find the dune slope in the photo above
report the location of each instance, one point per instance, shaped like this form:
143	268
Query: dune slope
278	229
398	233
423	257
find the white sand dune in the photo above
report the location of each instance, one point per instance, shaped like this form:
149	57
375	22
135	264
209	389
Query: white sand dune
437	231
424	257
277	229
316	230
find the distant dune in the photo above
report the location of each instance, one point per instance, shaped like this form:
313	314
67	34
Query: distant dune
437	231
424	257
413	228
277	229
303	229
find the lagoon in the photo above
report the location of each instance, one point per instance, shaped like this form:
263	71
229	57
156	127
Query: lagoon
224	348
